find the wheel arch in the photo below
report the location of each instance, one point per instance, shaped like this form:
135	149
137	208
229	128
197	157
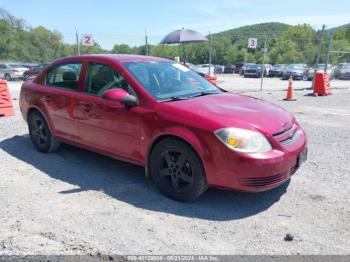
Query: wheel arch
33	109
185	136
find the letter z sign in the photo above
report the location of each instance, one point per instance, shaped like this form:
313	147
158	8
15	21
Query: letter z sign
252	43
87	40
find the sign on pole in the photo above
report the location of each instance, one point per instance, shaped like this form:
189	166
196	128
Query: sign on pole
264	50
252	43
87	40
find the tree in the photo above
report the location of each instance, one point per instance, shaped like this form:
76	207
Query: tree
122	49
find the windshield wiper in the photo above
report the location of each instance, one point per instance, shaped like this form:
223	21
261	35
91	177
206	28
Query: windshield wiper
174	98
178	98
204	93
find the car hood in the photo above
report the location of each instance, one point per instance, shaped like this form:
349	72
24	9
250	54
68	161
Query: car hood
213	112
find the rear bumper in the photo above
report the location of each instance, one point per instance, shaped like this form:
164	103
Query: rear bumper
16	75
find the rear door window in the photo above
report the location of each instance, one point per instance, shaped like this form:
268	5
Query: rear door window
64	76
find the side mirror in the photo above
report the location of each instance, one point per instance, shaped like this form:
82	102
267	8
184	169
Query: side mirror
121	96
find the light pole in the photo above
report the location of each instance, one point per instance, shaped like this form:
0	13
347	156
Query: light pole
263	64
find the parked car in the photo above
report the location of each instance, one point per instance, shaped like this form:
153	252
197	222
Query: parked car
340	71
219	69
254	70
12	71
241	71
204	69
229	69
211	78
32	72
297	71
153	112
344	72
277	70
319	68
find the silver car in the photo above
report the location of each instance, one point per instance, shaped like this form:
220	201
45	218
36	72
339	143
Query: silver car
319	68
204	69
12	71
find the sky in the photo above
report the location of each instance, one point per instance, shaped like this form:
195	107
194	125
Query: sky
125	22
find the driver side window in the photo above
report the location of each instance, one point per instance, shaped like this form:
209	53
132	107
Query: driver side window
101	78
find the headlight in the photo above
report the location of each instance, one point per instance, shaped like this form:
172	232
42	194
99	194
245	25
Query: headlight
243	140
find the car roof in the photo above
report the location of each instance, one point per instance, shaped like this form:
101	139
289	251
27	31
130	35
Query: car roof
114	58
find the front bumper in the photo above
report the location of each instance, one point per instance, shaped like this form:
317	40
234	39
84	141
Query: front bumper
294	76
344	76
256	172
252	73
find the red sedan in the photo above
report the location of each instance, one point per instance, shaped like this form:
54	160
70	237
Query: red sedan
187	133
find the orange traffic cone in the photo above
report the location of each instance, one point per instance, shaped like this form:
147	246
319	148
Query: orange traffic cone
6	107
290	92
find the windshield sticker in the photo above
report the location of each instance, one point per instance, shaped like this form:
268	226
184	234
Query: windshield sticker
181	67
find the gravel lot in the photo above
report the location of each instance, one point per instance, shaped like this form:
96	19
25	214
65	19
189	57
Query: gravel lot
79	202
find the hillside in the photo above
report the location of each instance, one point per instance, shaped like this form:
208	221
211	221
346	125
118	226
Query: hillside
339	28
273	30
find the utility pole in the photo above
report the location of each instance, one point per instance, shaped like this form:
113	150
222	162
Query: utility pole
78	44
329	51
210	44
146	42
263	63
320	46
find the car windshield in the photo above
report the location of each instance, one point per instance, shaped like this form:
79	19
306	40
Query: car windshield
346	66
167	81
320	66
253	66
279	66
15	65
295	67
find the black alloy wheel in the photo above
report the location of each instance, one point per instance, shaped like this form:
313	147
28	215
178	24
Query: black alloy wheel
40	133
177	170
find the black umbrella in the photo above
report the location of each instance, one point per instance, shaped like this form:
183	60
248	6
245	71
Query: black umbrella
183	36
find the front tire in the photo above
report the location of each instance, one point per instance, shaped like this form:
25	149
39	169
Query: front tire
40	134
177	170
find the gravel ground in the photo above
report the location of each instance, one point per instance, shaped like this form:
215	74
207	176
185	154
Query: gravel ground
79	202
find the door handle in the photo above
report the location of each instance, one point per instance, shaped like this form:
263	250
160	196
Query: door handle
86	107
48	98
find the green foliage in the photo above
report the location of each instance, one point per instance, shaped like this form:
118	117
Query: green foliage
21	43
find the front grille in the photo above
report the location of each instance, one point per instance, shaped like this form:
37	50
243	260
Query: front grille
291	140
250	71
287	137
263	181
293	170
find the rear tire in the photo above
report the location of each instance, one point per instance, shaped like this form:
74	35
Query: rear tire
177	170
40	134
